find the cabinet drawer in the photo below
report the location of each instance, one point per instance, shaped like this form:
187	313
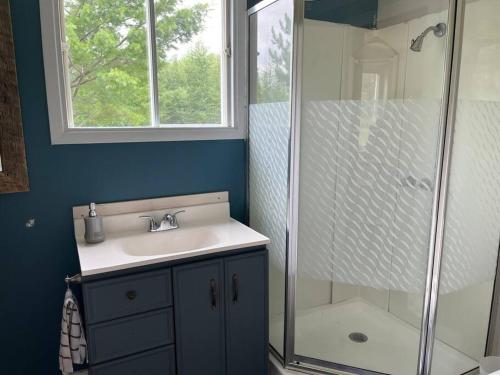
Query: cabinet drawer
125	336
154	362
122	296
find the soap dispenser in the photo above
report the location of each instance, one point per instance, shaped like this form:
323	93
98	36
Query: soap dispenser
94	229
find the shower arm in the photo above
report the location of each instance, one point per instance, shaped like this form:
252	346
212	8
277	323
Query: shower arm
439	31
427	31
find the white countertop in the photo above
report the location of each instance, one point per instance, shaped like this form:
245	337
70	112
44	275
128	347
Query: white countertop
203	229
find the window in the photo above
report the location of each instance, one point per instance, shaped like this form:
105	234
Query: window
144	70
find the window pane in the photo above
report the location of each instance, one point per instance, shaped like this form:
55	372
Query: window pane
189	54
108	62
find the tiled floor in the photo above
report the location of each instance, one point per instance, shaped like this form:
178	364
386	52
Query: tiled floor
392	345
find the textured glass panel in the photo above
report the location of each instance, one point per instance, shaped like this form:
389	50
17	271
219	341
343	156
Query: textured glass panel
269	128
472	226
368	151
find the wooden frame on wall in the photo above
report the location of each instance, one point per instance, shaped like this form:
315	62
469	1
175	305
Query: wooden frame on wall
13	169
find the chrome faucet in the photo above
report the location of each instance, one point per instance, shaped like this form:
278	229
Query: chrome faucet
168	222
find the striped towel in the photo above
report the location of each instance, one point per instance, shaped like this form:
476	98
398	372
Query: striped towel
73	347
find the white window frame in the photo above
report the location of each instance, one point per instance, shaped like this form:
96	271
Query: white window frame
234	116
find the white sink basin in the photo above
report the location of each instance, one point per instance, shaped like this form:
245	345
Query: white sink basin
205	227
169	242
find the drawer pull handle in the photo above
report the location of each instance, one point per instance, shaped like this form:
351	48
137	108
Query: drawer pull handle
236	288
213	293
131	295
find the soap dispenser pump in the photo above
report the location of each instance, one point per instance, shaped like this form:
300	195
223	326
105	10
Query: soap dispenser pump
94	229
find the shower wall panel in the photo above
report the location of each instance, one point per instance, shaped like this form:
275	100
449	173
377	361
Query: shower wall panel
364	220
366	165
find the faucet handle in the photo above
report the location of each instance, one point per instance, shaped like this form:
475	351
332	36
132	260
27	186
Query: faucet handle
152	222
172	218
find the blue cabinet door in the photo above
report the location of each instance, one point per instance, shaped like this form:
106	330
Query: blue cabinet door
199	318
247	314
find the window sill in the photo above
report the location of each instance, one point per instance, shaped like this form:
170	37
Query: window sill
127	135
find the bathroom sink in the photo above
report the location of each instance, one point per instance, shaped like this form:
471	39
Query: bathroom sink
169	242
204	227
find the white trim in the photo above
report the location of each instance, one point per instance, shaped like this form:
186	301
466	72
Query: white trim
53	64
61	131
239	67
153	63
225	64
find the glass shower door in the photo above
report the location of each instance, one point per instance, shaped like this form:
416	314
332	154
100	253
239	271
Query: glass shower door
372	101
466	320
269	136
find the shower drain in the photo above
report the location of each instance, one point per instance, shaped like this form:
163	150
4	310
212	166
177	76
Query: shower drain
358	337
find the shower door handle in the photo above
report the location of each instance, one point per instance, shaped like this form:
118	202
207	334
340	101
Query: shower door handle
414	183
409	182
425	184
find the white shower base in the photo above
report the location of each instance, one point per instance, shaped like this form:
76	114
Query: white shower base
392	345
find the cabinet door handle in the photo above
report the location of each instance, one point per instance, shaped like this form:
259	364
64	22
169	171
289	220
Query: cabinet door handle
131	294
236	288
213	293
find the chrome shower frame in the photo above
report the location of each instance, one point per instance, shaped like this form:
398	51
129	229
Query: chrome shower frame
448	116
454	37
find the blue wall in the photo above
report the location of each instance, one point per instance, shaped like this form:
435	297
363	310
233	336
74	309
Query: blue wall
251	3
33	262
361	13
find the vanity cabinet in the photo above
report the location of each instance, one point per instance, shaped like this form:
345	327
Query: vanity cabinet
221	316
188	317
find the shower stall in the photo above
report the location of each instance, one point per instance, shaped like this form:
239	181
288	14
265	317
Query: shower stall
374	167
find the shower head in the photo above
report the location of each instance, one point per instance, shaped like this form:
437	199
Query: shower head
439	31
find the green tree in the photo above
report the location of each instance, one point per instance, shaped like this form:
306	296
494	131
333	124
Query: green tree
107	57
274	79
189	89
